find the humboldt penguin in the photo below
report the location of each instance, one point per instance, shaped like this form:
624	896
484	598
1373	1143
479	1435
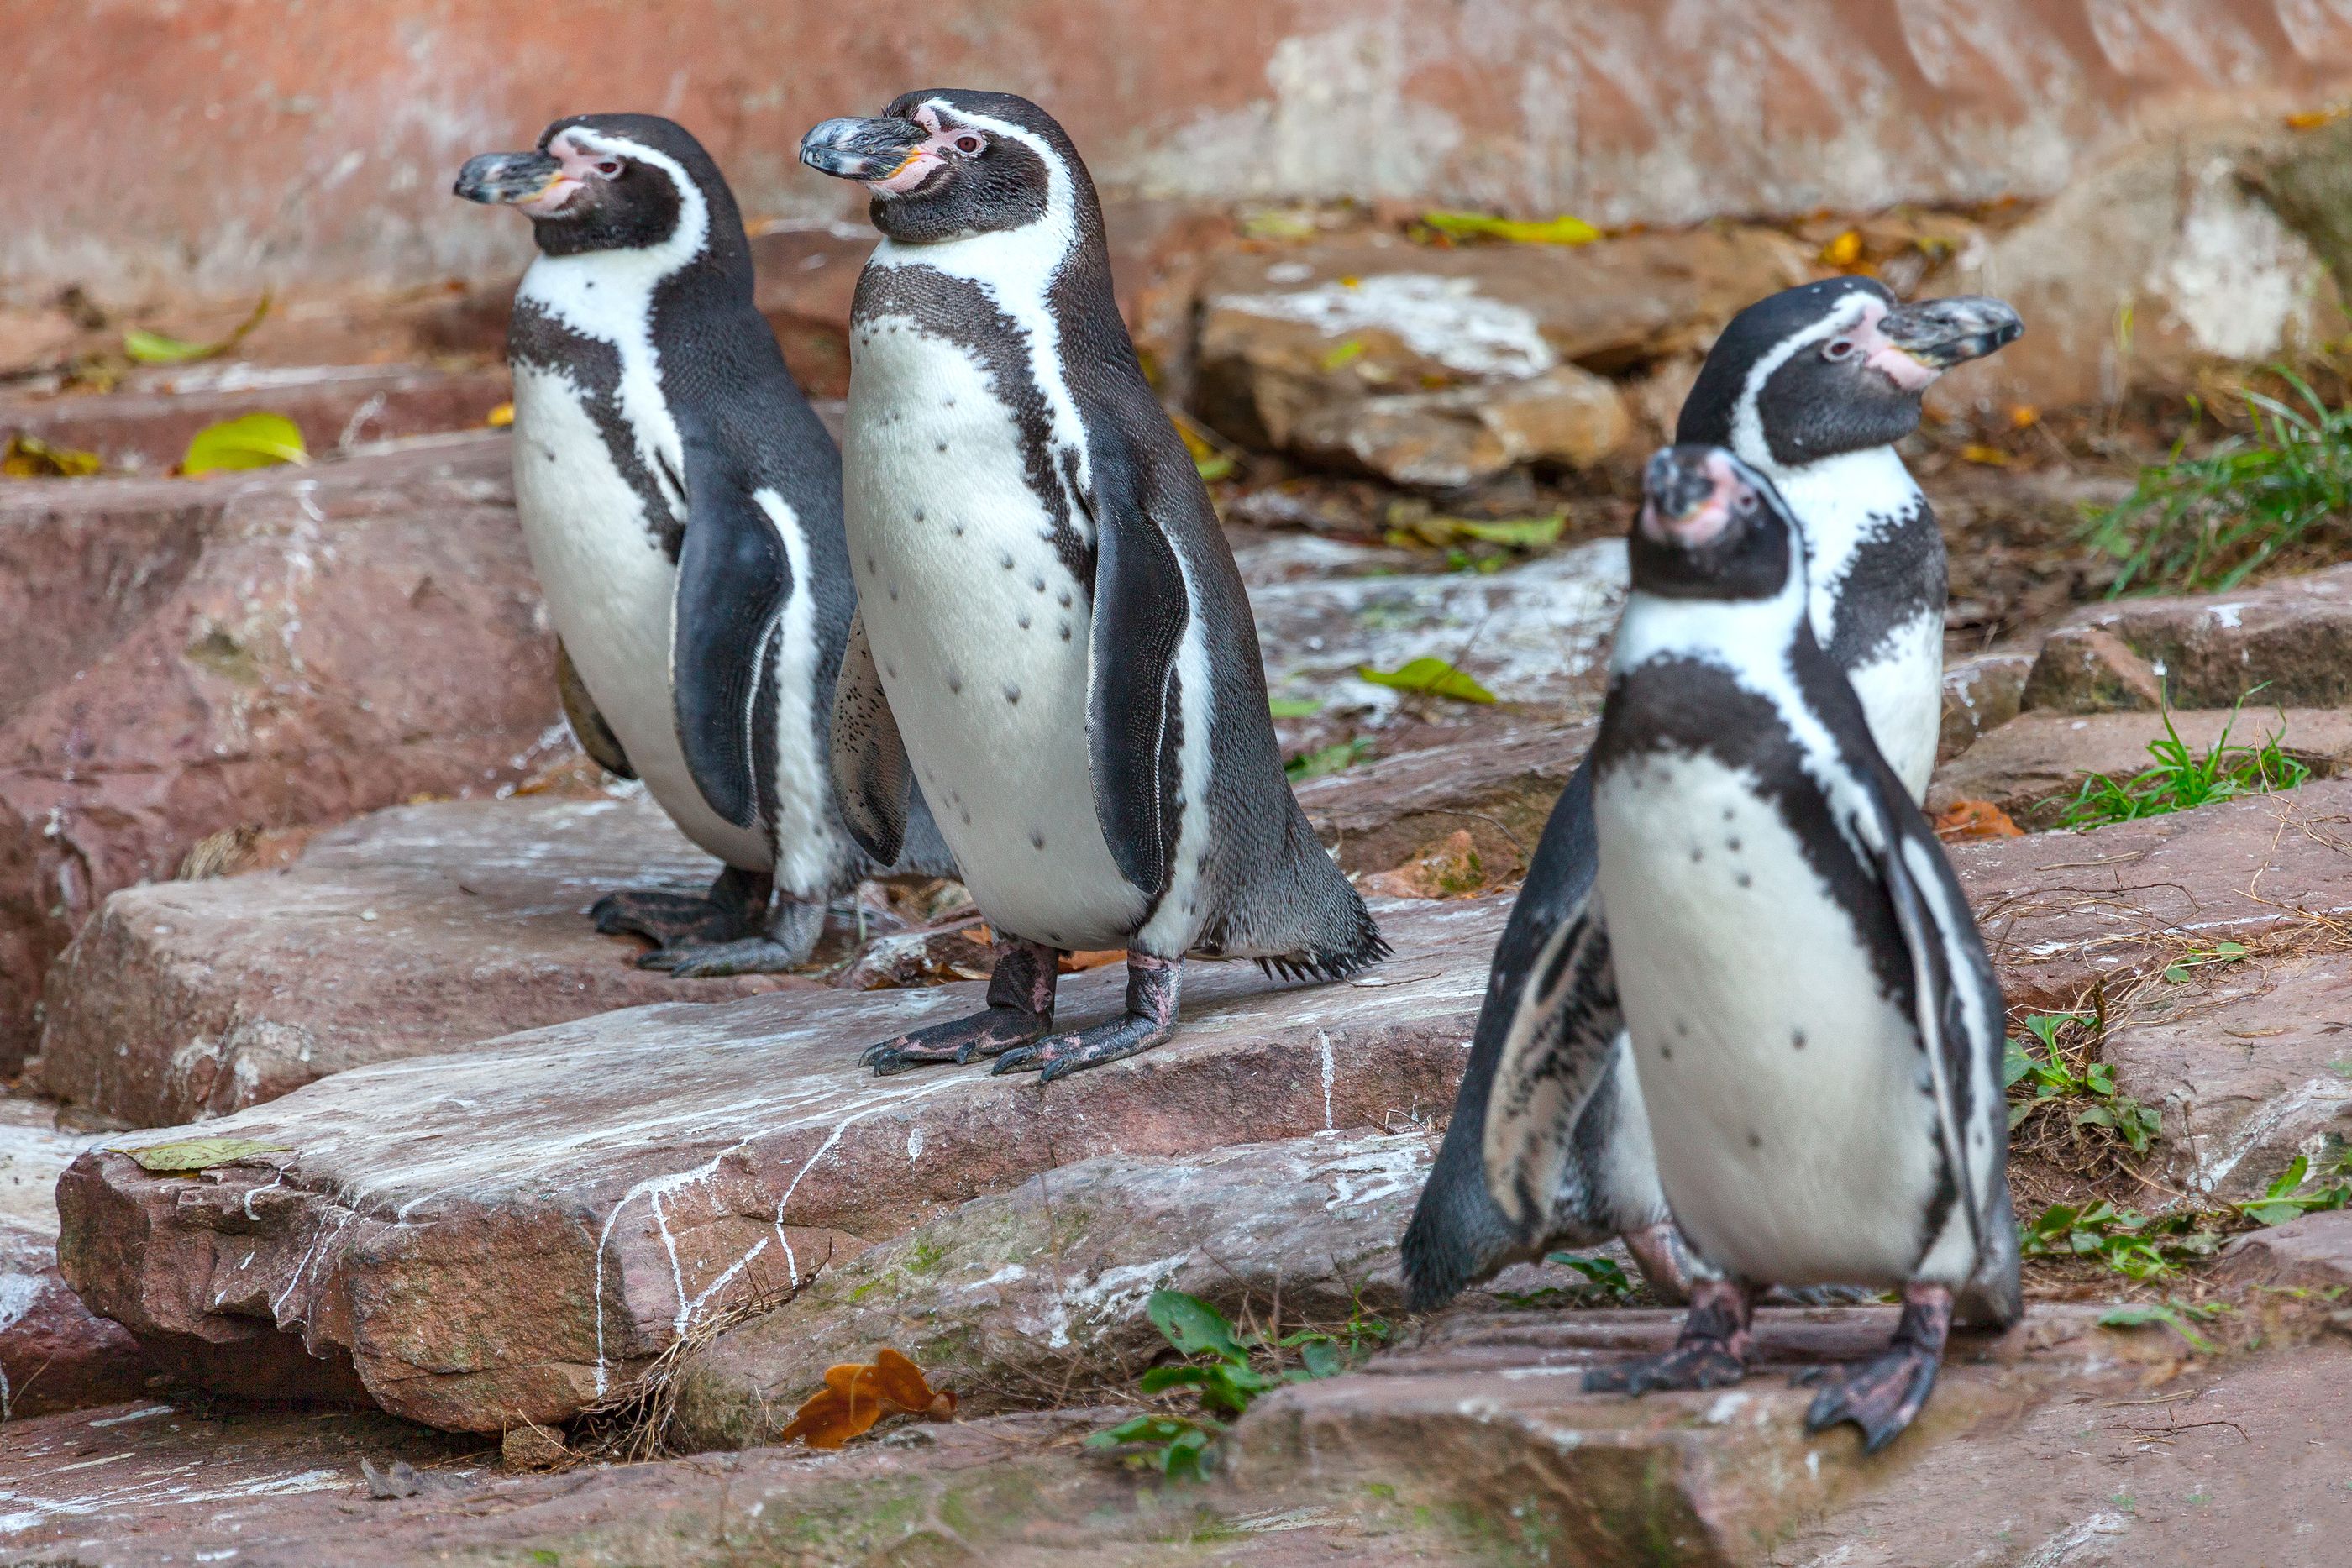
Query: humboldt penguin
682	504
1816	1025
1812	387
1053	636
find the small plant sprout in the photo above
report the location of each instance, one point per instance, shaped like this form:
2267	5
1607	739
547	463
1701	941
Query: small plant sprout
2182	777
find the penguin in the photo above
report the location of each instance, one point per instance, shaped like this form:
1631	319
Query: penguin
1815	1023
1812	387
681	504
1053	638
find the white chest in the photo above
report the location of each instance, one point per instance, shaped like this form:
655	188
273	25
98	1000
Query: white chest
1789	1107
980	633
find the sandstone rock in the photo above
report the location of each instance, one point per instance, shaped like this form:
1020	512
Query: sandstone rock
2235	1461
1444	367
1980	694
509	1234
145	427
2063	910
2142	270
294	1491
277	649
412	931
1535	634
2089	669
32	1156
1038	1294
1501	789
2247	1063
1565	417
55	1353
2312	1252
1488	1416
2035	765
2293	638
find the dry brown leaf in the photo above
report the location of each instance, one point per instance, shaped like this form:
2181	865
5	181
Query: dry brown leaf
1091	958
1976	820
1449	868
1990	457
858	1394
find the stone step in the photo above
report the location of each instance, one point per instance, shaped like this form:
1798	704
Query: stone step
2034	767
54	1352
510	1233
280	649
1487	1418
2061	911
2293	638
146	426
408	932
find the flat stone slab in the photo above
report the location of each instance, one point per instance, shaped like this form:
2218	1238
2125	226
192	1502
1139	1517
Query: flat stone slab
1038	1294
1488	1416
54	1352
2035	765
2061	911
1500	788
408	932
2248	1063
2293	637
2312	1252
474	1239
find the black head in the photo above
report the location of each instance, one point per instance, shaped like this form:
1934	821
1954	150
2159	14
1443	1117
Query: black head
949	163
611	182
1710	527
1832	367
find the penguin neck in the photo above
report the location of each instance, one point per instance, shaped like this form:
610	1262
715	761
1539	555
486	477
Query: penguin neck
608	294
1841	503
1024	273
1741	635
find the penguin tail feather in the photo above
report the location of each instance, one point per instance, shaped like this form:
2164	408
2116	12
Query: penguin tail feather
1357	949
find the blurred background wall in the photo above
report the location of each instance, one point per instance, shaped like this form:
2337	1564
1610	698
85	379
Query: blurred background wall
195	145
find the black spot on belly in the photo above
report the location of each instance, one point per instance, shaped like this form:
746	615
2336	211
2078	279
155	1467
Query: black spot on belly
1732	844
1797	1038
1024	618
1005	558
1696	854
919	514
1012	693
1744	879
955	681
1063	599
894	593
1066	630
1037	584
1037	838
942	445
1666	1053
1755	1139
959	530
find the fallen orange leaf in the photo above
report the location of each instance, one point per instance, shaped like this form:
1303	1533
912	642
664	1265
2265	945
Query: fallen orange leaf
1990	457
1845	250
1976	820
1091	958
858	1394
2313	118
2024	417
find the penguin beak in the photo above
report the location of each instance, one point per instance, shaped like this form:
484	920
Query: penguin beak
509	178
1689	494
886	155
1941	333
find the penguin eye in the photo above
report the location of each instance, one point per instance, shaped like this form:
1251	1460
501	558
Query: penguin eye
609	167
968	144
1838	348
1745	505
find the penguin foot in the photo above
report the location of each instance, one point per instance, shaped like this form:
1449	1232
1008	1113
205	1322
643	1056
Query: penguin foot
1712	1351
711	960
669	919
1020	1010
1150	1018
1664	1261
1886	1394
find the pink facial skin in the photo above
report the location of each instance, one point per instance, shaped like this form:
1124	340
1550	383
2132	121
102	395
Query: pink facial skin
1863	338
928	155
1706	524
580	166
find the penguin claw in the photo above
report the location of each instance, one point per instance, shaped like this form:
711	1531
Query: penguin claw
999	1032
1704	1364
752	955
1882	1395
1067	1053
666	919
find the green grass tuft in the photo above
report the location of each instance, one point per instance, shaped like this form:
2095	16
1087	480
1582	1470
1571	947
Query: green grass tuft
2195	525
2181	779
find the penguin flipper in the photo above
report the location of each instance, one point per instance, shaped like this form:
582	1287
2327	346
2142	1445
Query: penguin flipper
733	578
871	779
588	727
1134	724
1547	1043
1958	1012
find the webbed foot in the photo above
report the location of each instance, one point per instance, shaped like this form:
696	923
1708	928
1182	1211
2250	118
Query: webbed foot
1020	1010
1150	1018
1712	1351
1886	1394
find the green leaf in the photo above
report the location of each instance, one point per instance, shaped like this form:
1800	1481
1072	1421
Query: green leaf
1328	760
1434	675
1214	466
2014	1063
250	441
1322	1359
1344	355
1293	707
156	348
1519	533
1193	1326
1144	1429
1561	230
2139	1315
198	1154
30	457
1161	1378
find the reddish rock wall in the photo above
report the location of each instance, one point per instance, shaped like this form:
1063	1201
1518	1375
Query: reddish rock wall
201	143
